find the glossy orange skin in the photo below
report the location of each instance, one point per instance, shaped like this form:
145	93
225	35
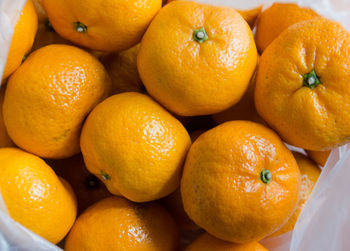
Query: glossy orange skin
118	224
138	144
34	196
320	157
313	119
206	242
87	187
275	19
190	78
22	38
5	140
225	163
48	98
112	25
309	175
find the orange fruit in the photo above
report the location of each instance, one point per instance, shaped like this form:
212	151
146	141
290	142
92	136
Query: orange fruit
5	140
274	20
22	38
122	68
86	186
206	242
34	196
135	147
253	166
303	93
105	25
320	157
42	16
205	63
118	224
309	175
48	98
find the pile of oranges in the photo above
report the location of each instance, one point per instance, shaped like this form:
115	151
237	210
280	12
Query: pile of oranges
132	124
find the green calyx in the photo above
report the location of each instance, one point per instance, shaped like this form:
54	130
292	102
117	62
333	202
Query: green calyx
105	176
266	176
48	26
200	35
80	27
311	80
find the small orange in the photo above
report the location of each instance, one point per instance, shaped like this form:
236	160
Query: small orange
135	147
197	59
206	242
309	176
105	25
274	20
22	38
35	196
48	98
5	140
303	93
240	182
122	68
86	186
118	224
320	157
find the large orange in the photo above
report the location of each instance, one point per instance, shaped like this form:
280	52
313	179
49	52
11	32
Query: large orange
86	186
118	224
135	147
302	86
197	59
49	96
5	140
320	157
122	68
35	196
240	182
206	242
105	25
22	38
275	19
309	176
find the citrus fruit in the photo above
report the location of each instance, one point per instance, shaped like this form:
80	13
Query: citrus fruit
5	140
34	196
87	187
251	15
205	63
320	157
118	224
275	19
48	98
22	38
40	11
303	93
240	182
135	147
206	242
122	68
105	25
309	174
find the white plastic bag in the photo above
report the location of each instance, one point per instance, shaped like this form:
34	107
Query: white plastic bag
325	221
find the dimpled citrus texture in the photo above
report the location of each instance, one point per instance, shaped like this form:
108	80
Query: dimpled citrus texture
320	157
48	98
118	224
274	20
135	147
206	242
112	25
192	78
5	140
122	68
222	189
313	119
22	38
34	196
309	175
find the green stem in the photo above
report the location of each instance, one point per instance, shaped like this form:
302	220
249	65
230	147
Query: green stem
80	27
311	80
200	35
105	176
266	176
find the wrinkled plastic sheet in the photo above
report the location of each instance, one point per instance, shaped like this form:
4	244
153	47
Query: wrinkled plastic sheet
324	223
